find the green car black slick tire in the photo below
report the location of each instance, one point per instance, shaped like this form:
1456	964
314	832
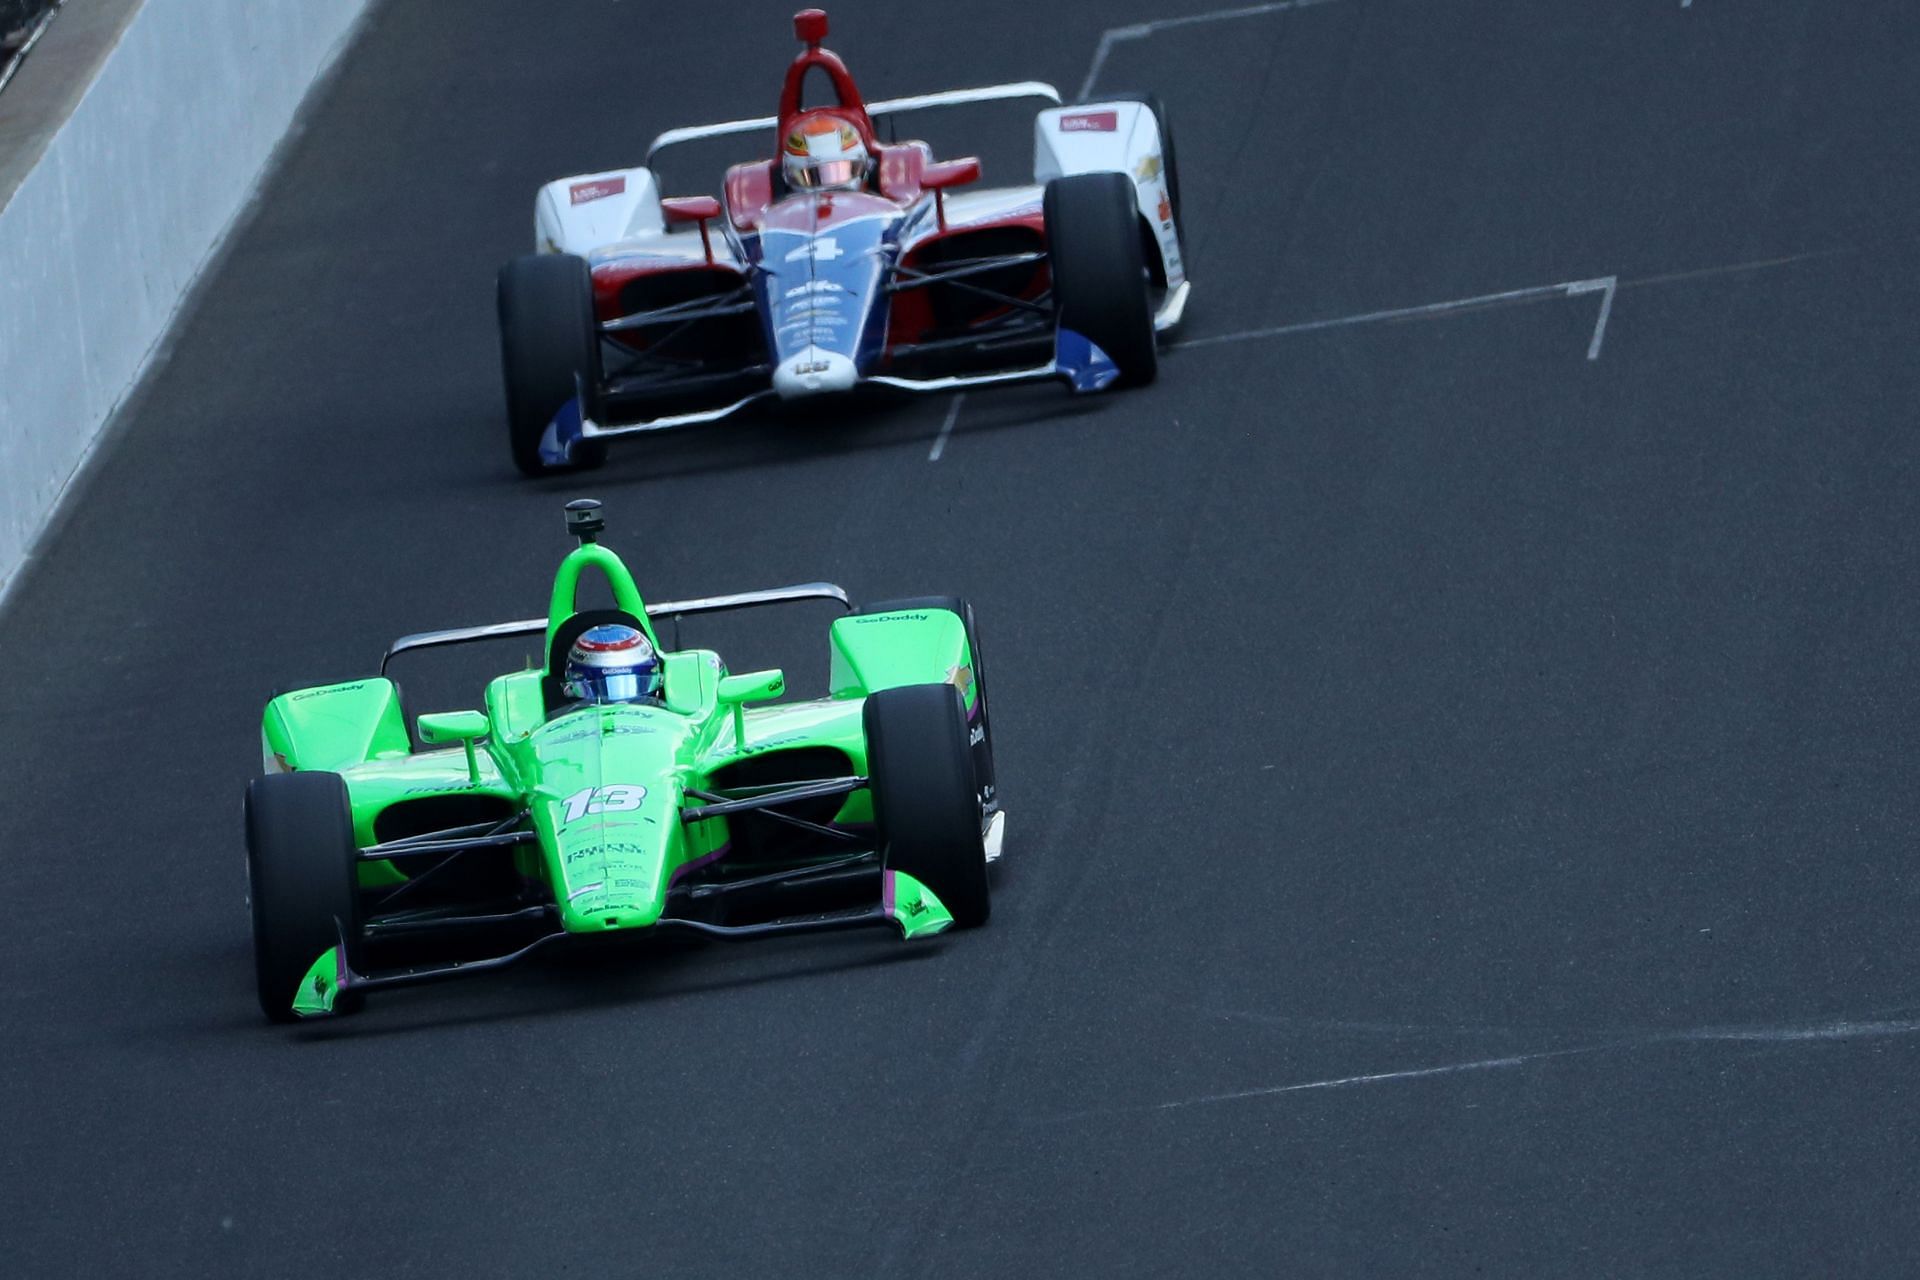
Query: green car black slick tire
1101	289
549	347
983	771
302	881
924	804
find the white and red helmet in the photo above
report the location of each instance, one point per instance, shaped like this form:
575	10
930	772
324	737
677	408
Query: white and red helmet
612	662
822	152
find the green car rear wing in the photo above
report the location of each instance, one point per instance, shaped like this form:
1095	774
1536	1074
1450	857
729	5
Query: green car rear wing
585	523
669	609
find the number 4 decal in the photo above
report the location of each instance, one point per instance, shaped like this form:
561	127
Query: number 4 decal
614	799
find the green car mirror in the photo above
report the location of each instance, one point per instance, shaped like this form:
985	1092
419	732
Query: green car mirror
440	727
753	686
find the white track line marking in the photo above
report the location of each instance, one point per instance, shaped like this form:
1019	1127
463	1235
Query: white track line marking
1701	1035
1141	30
946	428
1605	286
1758	264
1100	52
1606	289
1791	1035
1508	297
1342	1082
1782	1035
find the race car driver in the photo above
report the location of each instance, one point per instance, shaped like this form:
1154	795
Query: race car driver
612	662
824	153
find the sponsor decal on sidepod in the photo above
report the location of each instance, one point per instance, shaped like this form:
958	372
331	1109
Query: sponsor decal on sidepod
1090	122
598	189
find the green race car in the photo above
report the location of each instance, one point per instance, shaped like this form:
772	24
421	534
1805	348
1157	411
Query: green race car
545	818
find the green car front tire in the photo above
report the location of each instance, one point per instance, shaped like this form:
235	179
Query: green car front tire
921	772
301	876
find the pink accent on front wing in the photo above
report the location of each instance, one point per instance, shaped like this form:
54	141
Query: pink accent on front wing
704	860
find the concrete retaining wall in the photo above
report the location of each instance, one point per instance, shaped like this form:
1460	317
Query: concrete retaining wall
105	233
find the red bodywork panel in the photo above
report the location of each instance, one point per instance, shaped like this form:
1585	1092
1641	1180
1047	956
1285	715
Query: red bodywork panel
912	316
852	108
750	186
898	173
749	190
819	212
611	278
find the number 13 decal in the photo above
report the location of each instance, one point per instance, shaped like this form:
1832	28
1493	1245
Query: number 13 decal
615	799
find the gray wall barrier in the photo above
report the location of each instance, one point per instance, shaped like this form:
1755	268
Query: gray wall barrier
107	229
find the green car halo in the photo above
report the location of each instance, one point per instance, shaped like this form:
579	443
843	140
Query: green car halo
714	809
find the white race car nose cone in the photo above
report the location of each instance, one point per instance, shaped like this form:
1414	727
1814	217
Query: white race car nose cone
812	372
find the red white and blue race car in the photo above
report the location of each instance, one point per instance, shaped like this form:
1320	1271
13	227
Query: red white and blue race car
842	261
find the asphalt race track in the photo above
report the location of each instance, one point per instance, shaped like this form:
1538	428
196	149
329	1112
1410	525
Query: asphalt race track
1461	761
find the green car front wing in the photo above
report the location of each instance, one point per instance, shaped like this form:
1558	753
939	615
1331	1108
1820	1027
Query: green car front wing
904	903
